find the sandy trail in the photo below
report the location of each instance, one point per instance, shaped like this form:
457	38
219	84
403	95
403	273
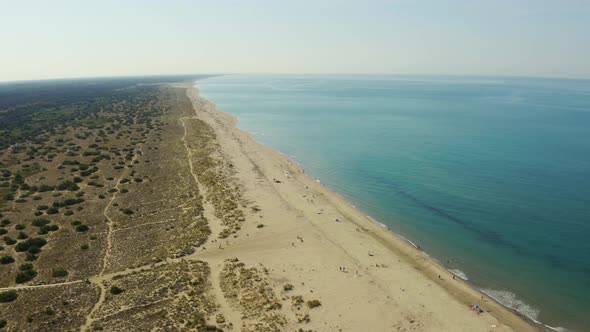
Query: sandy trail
41	286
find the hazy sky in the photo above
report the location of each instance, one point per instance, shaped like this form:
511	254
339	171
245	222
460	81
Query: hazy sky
57	38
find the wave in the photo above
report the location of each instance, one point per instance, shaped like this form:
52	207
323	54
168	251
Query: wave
459	273
510	300
558	329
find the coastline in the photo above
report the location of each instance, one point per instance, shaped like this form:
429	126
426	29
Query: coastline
422	273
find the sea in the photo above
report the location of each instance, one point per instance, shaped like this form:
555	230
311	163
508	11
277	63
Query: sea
488	175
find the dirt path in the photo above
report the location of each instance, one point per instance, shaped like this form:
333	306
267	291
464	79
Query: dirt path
231	316
41	286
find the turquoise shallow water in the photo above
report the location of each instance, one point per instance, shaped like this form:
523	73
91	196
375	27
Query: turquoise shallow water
489	175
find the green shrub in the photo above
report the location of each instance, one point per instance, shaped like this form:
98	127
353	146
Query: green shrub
6	260
26	267
40	222
34	242
20	227
68	202
84	246
9	241
44	188
8	296
5	222
68	185
3	323
25	275
49	311
127	211
3	231
59	273
116	290
82	228
47	228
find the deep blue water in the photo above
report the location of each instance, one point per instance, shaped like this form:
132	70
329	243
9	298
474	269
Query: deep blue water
490	175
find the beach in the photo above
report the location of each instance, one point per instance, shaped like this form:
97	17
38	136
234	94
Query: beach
366	277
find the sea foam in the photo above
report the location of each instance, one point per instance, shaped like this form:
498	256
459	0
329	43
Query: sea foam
459	274
510	300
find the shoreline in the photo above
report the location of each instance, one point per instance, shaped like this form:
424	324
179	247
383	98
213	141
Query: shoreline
456	272
460	289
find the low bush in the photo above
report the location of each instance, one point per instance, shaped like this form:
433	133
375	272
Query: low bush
313	304
68	185
82	228
6	260
25	275
40	222
68	202
59	273
8	296
127	211
34	242
9	241
116	290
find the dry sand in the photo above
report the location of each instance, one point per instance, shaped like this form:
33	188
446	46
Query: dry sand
387	285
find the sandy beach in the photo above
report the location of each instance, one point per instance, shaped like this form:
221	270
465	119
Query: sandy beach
366	277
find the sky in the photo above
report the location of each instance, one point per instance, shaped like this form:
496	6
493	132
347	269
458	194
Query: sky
64	38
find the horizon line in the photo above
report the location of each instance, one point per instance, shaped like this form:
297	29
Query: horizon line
288	73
